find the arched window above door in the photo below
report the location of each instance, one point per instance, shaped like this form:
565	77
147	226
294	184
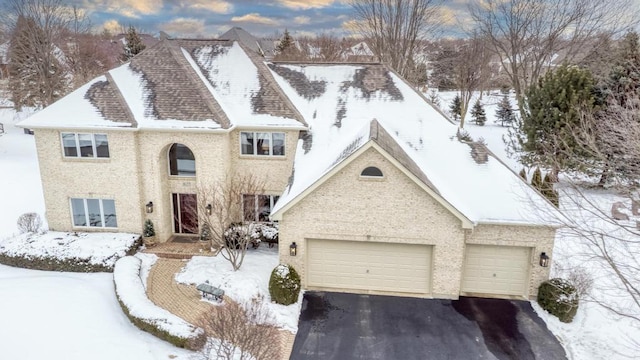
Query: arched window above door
181	161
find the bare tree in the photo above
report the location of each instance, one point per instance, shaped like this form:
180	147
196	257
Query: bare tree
324	48
36	63
470	67
526	34
221	210
29	222
394	28
235	332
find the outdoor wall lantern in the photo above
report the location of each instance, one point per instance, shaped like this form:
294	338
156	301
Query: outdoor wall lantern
293	249
149	207
209	209
544	259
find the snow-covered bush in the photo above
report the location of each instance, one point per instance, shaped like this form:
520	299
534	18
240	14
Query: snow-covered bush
237	236
559	298
145	314
29	222
264	232
284	284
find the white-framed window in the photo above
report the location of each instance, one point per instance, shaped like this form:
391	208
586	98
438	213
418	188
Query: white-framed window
94	213
258	207
81	145
262	143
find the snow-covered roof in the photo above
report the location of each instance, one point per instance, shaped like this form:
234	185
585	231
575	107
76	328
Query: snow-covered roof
177	84
346	106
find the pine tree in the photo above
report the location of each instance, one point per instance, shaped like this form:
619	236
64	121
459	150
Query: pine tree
623	83
133	44
456	107
286	48
504	113
536	179
478	115
148	230
523	174
546	188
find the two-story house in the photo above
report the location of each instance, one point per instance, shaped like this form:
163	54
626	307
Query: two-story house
369	182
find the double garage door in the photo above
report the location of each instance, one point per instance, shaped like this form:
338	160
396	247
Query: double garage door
355	266
369	266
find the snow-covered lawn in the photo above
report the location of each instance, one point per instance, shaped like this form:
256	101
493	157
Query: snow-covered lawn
70	316
95	248
250	281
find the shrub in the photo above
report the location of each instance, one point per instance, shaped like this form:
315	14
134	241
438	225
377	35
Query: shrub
264	232
29	222
536	179
559	298
548	191
523	174
284	285
236	236
148	230
205	232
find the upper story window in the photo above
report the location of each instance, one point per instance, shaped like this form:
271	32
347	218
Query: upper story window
371	171
85	145
258	207
181	161
94	213
262	143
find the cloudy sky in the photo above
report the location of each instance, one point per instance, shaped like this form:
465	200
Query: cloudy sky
209	18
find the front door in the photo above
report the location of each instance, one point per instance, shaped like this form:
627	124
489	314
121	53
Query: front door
185	213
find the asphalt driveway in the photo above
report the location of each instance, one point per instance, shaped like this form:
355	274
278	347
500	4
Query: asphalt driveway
348	326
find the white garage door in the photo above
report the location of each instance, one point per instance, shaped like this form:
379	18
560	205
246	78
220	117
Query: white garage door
368	266
500	270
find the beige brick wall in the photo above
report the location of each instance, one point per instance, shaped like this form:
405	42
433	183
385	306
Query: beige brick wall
114	178
538	238
395	209
138	172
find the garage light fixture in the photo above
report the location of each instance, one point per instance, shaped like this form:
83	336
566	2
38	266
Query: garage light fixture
209	209
293	249
544	259
149	207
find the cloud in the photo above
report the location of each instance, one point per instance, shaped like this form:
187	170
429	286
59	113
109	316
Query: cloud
112	26
301	20
183	26
215	6
256	19
306	4
128	8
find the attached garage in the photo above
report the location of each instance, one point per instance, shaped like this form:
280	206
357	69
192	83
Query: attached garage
496	270
368	266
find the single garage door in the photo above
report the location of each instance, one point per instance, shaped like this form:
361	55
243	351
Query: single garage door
500	270
368	266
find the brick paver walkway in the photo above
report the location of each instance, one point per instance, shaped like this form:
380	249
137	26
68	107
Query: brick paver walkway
184	300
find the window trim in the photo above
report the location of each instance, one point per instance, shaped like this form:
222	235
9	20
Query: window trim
372	177
86	213
255	146
94	148
169	163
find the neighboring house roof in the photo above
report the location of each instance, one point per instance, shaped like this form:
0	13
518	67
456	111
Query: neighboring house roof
264	47
340	103
177	83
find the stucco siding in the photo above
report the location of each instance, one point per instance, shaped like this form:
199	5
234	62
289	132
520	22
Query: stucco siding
538	238
393	209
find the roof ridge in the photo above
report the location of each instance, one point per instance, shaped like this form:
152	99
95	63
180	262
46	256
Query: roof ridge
121	99
272	83
212	104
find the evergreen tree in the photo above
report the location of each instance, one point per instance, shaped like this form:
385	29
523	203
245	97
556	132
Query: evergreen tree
148	230
546	188
536	179
523	174
554	109
456	107
133	44
477	113
504	113
286	48
623	83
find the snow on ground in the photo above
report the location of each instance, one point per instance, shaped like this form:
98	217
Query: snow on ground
250	281
20	187
70	316
98	248
595	332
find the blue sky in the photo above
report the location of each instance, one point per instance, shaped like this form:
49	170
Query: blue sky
209	18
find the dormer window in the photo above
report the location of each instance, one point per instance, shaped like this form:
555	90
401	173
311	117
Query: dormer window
262	143
372	171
